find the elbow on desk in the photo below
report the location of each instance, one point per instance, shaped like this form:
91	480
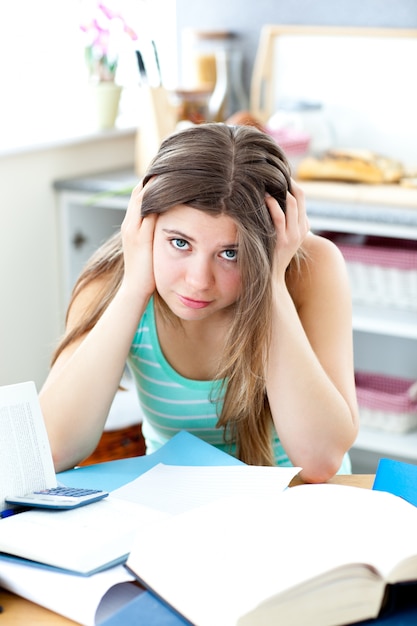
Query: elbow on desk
65	457
320	470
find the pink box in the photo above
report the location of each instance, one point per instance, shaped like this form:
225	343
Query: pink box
386	402
382	271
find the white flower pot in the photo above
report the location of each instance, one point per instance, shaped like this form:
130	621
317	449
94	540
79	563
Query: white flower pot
105	100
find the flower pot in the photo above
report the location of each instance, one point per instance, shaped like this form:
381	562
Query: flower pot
105	99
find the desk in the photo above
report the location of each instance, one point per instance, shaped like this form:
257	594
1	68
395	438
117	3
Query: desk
20	612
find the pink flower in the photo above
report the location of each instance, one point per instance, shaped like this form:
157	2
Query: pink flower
103	31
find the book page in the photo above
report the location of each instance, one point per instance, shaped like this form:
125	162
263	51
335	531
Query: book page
25	455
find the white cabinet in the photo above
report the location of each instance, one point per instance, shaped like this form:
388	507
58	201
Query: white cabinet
90	209
385	341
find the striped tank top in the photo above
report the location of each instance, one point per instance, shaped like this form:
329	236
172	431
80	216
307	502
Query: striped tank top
170	402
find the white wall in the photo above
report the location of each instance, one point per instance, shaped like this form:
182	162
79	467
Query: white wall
30	322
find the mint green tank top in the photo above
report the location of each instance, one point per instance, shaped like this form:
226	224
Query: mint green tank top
171	403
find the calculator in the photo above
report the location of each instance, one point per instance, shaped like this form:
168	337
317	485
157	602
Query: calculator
58	498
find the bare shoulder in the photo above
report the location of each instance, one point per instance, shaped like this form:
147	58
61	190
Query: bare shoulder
322	271
319	249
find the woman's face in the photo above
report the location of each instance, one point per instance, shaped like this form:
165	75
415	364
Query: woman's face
195	262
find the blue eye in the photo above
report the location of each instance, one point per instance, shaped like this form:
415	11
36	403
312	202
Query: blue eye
229	255
180	244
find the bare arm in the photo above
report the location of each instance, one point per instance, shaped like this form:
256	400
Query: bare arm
310	381
81	385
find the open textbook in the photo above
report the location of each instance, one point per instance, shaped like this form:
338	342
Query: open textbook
316	554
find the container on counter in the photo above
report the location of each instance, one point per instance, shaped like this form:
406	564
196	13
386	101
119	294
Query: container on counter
213	60
307	117
191	105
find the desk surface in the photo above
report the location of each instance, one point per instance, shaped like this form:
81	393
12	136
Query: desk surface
20	612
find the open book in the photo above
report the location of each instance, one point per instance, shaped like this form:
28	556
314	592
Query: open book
316	554
25	456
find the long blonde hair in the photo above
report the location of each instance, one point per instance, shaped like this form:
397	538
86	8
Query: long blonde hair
217	169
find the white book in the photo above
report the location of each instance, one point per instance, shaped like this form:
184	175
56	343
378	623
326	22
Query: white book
25	455
314	554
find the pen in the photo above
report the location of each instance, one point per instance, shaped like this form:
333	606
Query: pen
10	512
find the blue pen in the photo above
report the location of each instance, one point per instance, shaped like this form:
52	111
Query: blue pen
7	513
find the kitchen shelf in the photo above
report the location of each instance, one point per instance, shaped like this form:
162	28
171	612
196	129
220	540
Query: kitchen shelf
387	211
382	210
381	321
383	443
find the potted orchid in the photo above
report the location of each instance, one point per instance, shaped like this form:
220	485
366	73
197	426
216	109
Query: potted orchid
104	29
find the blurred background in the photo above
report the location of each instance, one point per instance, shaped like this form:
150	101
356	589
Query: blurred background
162	63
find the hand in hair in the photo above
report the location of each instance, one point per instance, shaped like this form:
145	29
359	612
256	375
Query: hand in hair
137	239
291	227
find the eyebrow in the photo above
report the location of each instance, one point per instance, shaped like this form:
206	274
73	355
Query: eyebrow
180	235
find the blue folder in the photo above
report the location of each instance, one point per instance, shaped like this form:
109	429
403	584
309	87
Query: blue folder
182	449
148	610
397	477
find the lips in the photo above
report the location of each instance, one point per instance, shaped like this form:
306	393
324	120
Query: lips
194	304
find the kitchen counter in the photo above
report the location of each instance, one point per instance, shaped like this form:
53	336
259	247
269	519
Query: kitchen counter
386	210
363	203
113	181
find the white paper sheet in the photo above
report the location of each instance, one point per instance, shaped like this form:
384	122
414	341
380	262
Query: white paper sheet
174	489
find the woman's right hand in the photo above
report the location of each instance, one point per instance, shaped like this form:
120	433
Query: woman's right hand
137	237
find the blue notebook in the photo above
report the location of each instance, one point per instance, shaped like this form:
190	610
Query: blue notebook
397	477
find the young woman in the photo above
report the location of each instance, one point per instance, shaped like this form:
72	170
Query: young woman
234	319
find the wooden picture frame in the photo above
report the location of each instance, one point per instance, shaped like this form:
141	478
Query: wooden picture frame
373	67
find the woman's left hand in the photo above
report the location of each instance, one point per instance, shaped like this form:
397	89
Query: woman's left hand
291	227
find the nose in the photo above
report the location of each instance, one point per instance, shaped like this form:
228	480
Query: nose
200	274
